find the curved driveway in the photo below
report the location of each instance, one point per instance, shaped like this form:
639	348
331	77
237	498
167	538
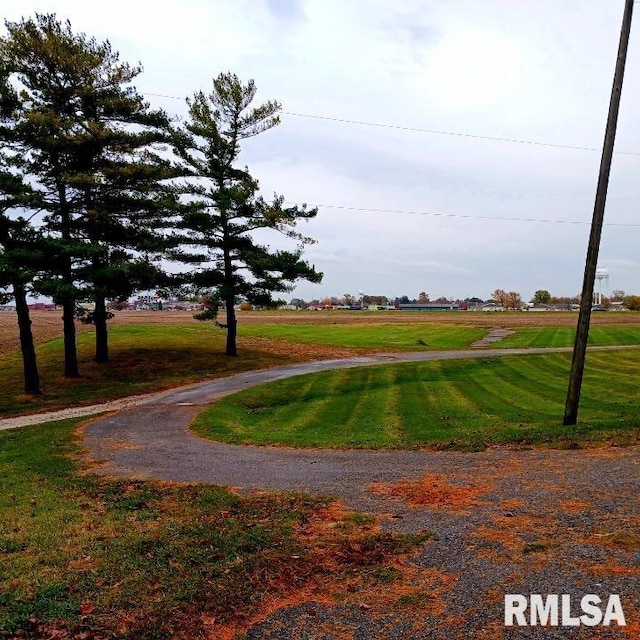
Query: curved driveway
152	439
544	524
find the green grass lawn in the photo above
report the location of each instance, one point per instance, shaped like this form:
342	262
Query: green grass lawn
564	337
379	337
86	557
457	403
144	357
148	357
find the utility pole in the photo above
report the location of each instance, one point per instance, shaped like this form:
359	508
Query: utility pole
582	332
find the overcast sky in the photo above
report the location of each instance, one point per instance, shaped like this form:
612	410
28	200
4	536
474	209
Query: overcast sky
534	71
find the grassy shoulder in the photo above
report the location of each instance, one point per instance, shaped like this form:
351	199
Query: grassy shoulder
463	404
145	560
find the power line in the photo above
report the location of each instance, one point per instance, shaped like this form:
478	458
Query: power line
457	215
453	133
450	133
439	132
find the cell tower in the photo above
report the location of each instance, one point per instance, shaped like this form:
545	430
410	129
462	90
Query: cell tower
602	275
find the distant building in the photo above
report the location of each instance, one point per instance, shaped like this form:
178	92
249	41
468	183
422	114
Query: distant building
430	306
42	306
473	304
537	307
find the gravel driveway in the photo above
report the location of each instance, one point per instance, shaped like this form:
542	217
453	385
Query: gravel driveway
547	522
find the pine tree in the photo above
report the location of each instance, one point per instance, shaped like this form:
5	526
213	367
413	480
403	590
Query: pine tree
19	249
20	257
87	137
222	208
125	197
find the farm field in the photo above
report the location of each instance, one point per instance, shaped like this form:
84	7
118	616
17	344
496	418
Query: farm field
48	324
463	404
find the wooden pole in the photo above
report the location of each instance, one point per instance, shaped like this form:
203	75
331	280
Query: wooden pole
582	332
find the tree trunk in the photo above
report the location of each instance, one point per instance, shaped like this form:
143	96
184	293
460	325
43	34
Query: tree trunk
102	337
29	363
70	353
232	328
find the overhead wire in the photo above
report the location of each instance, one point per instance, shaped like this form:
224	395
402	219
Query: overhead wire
439	132
449	133
455	215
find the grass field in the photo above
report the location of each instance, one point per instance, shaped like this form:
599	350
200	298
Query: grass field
372	337
152	351
466	404
84	557
89	557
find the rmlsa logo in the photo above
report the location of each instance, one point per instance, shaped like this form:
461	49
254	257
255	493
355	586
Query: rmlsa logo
554	610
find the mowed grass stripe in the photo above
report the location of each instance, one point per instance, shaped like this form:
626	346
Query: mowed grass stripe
295	410
447	395
602	375
624	362
530	337
338	406
614	335
485	387
534	375
391	423
528	397
354	410
459	403
414	404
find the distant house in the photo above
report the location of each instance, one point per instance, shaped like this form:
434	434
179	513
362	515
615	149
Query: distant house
473	303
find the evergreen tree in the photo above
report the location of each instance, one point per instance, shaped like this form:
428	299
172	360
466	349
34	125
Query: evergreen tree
125	200
18	248
87	137
20	257
222	208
